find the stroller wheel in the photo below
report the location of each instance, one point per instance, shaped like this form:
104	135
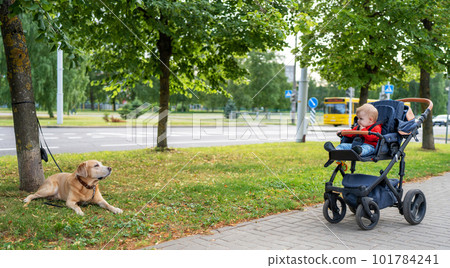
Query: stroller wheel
414	206
364	220
336	214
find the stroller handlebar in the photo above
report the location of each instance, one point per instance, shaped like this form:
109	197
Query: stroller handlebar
421	100
360	132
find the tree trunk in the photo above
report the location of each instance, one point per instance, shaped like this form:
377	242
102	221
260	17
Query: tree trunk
22	100
364	94
165	52
424	92
91	98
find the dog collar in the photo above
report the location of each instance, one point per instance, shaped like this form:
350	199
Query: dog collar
85	184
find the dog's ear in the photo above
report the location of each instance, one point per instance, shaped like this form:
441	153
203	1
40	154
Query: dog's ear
82	170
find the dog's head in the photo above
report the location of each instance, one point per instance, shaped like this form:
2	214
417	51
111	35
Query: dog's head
93	169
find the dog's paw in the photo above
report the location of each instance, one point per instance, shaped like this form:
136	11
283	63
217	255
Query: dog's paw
26	201
81	213
117	211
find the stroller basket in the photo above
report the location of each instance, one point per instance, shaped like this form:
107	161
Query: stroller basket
381	194
365	194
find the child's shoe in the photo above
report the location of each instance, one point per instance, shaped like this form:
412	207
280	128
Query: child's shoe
328	146
357	149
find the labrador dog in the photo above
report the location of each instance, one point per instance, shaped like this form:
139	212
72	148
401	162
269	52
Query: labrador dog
80	186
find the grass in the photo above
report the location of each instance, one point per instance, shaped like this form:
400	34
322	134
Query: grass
181	193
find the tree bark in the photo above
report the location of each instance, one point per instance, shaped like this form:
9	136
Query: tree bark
22	100
425	92
165	52
91	98
364	94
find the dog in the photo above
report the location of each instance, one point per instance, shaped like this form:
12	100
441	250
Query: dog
80	186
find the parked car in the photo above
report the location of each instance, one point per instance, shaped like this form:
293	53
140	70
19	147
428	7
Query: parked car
440	120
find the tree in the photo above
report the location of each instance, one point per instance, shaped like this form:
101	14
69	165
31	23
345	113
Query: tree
22	99
187	44
428	43
358	44
75	83
267	80
353	44
264	84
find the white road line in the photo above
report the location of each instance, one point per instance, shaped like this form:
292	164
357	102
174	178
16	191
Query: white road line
13	149
113	145
74	138
8	149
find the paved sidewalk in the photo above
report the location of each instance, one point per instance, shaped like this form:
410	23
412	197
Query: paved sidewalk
303	230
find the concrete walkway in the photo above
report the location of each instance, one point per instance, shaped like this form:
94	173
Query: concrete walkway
303	230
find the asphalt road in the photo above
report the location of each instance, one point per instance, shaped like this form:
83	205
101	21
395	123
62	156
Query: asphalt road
81	140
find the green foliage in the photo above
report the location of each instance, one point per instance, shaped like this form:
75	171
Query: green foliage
206	37
133	110
265	83
358	43
229	107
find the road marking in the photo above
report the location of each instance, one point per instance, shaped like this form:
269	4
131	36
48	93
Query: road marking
13	149
8	149
112	145
73	138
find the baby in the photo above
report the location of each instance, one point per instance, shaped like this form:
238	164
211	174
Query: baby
367	116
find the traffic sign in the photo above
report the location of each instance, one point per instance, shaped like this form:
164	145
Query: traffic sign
388	89
288	93
313	102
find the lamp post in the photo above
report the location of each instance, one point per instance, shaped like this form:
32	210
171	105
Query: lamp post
60	94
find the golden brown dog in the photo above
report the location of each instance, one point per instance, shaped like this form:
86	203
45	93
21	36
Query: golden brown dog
80	186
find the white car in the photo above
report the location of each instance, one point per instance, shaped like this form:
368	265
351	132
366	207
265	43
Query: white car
440	120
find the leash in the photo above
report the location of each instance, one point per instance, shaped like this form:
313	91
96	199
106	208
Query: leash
43	153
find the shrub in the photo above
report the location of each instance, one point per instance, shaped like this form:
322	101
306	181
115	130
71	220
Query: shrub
135	109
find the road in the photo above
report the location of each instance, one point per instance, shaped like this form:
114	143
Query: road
81	140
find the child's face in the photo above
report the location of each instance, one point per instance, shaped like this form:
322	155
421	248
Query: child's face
364	120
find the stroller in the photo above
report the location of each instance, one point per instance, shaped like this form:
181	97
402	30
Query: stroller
364	194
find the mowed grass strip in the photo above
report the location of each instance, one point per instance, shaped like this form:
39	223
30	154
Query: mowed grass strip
176	198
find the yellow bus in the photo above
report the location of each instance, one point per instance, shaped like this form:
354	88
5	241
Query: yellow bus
336	110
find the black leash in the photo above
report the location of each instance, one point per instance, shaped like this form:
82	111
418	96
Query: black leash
43	153
55	205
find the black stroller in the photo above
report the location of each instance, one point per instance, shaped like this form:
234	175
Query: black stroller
364	194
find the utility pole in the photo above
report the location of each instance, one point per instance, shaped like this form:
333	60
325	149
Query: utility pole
60	94
294	88
302	100
350	106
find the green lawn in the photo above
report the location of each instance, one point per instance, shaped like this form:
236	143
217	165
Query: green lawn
180	193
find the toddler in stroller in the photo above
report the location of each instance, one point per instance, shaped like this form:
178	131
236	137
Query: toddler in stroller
363	145
365	194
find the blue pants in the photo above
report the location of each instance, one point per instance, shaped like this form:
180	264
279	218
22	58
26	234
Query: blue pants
367	149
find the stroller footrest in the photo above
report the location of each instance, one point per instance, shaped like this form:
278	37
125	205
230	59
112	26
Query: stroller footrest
344	155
